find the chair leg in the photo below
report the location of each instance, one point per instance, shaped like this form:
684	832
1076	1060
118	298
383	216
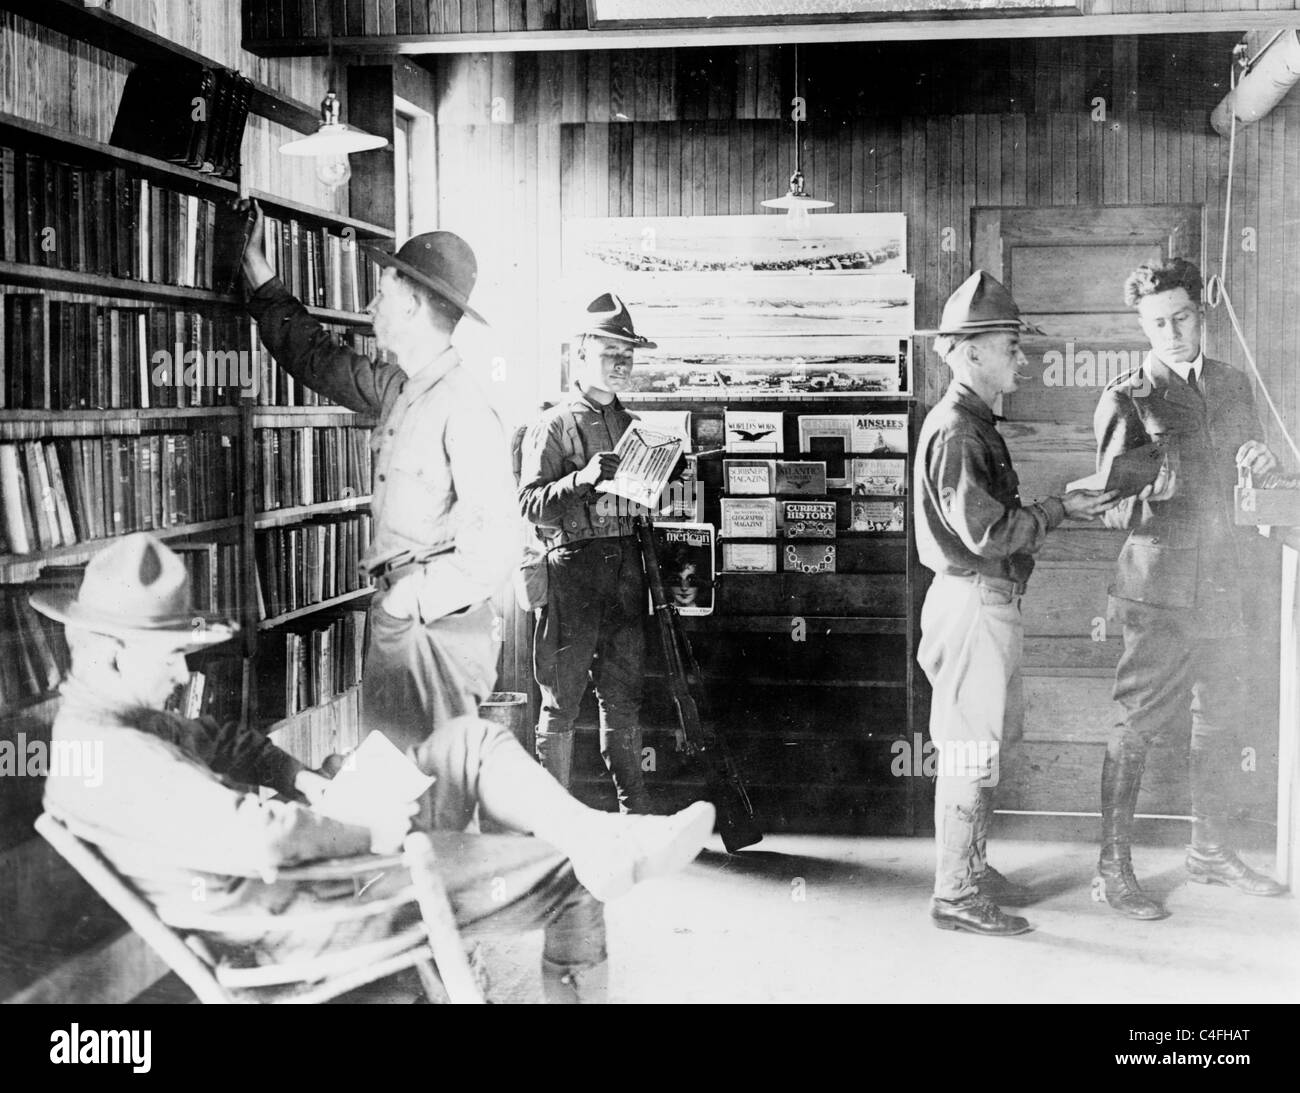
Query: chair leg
434	991
444	939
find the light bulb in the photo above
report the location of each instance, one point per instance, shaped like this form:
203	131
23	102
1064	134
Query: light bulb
333	170
798	216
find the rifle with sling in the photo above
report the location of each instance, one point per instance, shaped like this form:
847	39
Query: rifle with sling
736	820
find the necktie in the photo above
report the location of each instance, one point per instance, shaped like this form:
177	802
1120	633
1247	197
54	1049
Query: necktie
1192	382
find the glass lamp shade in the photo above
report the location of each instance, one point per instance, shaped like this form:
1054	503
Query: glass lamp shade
334	139
796	201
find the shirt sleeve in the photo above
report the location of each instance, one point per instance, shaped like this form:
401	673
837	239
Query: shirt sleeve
1118	428
987	527
546	490
304	349
487	529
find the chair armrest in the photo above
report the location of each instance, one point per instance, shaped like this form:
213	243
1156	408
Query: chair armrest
348	868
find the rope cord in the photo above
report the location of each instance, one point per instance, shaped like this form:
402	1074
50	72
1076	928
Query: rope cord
1216	289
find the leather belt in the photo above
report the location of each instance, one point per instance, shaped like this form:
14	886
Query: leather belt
389	572
1002	584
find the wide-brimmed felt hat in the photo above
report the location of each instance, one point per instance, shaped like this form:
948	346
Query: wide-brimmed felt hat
607	316
441	261
981	304
135	588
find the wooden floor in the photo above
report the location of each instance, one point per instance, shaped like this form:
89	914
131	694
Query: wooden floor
842	919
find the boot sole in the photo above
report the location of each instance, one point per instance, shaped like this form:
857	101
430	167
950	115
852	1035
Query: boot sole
1207	879
950	924
1099	896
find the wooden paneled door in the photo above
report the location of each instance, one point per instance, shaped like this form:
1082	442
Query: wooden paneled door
1066	268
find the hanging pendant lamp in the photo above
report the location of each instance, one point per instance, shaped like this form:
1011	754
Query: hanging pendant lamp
797	201
333	140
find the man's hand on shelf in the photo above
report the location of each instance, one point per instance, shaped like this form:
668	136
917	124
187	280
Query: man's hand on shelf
257	270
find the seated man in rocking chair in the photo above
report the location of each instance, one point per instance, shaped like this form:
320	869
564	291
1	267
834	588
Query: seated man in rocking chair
178	814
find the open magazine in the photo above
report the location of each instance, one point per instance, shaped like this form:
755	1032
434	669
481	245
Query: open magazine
646	460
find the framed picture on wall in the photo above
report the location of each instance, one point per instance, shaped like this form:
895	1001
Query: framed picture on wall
749	307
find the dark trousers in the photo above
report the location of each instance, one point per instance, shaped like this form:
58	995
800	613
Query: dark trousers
1170	672
593	627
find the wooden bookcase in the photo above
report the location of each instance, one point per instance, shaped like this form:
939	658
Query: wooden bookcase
239	423
808	675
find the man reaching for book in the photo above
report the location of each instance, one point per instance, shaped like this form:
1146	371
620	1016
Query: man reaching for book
178	814
445	531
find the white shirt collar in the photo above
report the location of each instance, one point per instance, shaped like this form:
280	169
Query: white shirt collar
1182	368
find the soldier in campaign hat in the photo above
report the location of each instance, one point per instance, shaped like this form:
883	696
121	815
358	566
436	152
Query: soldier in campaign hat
591	624
444	532
978	537
175	809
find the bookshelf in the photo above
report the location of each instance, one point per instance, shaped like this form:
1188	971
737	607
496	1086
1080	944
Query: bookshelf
237	421
808	675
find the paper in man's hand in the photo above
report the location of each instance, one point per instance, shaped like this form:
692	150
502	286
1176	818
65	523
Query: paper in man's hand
646	460
375	775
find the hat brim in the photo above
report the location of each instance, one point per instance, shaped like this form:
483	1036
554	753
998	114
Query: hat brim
194	631
1019	326
635	340
431	281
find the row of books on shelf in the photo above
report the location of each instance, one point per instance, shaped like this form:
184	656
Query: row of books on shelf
311	563
320	266
771	518
277	388
105	221
306	465
213	691
109	222
33	652
774	432
304	665
105	357
56	493
810	477
215	576
190	115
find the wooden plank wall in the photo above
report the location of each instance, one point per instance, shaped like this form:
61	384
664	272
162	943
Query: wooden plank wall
268	20
934	130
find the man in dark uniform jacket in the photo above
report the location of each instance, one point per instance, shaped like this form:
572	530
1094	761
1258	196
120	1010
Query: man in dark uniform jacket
592	624
1179	579
979	539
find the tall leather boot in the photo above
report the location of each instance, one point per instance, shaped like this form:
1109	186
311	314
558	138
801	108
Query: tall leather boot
1209	861
555	753
1115	883
621	750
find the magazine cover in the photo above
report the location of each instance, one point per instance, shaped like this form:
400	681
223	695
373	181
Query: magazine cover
685	553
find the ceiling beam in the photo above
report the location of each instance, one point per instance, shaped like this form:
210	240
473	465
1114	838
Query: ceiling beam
1046	26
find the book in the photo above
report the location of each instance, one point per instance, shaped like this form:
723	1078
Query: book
749	557
675	422
749	477
808	519
749	517
800	478
881	476
372	777
646	460
878	516
1129	472
874	433
754	431
829	437
685	553
809	558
